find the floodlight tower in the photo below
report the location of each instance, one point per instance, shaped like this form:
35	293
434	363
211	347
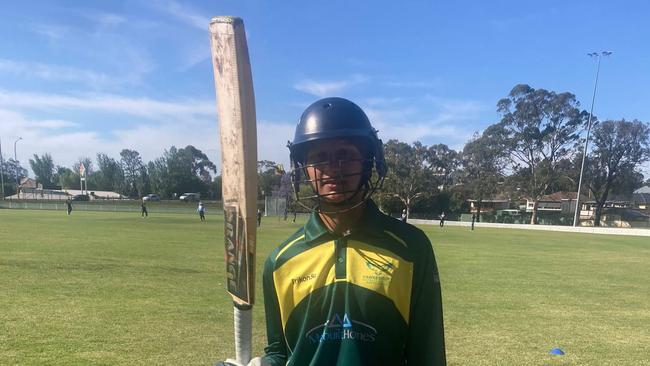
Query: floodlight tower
598	56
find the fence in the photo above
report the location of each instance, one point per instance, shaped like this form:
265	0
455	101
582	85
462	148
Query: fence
607	220
214	207
581	229
275	206
165	206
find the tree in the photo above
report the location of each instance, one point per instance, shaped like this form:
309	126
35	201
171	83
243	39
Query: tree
132	167
214	190
201	165
620	147
67	178
159	176
12	169
109	176
3	179
483	163
568	173
269	176
445	163
286	188
190	168
181	170
43	168
142	183
411	177
628	181
539	128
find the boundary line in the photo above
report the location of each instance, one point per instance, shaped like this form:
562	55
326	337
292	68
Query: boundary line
570	229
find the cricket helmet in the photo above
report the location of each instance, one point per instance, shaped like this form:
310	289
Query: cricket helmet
337	118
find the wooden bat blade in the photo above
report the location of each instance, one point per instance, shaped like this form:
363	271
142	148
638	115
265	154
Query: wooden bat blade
236	111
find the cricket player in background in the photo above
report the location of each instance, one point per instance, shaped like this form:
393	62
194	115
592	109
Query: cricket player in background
143	209
201	211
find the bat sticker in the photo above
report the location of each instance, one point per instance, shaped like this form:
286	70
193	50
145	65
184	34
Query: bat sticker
236	254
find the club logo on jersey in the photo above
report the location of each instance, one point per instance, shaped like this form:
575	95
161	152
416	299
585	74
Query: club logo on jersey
378	272
386	267
339	329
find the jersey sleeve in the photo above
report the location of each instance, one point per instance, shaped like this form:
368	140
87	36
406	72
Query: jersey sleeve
276	349
426	344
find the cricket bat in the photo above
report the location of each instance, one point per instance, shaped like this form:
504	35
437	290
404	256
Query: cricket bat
236	111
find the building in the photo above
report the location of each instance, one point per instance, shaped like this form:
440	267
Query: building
560	202
61	195
641	198
619	211
29	183
491	205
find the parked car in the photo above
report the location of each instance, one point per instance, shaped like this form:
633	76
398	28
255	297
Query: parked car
81	197
151	197
190	197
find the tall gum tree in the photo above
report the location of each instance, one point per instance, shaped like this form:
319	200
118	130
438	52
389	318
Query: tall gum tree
482	166
539	128
43	168
411	176
619	149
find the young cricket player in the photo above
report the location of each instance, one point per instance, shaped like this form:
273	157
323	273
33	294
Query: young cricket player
353	286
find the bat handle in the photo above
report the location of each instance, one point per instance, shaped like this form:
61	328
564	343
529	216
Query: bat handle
243	332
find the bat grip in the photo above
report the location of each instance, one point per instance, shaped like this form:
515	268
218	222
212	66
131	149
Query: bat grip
243	332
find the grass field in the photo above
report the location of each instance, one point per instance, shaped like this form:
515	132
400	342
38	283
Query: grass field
114	289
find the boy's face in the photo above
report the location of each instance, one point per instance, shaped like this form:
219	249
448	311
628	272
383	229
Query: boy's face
334	168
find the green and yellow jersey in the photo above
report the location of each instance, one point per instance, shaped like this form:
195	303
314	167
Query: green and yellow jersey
368	297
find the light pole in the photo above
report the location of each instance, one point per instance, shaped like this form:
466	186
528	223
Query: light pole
599	56
16	160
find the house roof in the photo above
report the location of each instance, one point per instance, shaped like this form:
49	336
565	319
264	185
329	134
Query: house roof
641	197
102	194
645	189
26	182
497	198
559	196
487	201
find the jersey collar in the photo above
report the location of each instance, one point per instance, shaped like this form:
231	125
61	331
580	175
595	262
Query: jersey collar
314	229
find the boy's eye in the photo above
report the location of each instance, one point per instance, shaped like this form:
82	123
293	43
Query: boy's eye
342	154
319	158
336	156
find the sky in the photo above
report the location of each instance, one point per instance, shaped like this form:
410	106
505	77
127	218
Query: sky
79	78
